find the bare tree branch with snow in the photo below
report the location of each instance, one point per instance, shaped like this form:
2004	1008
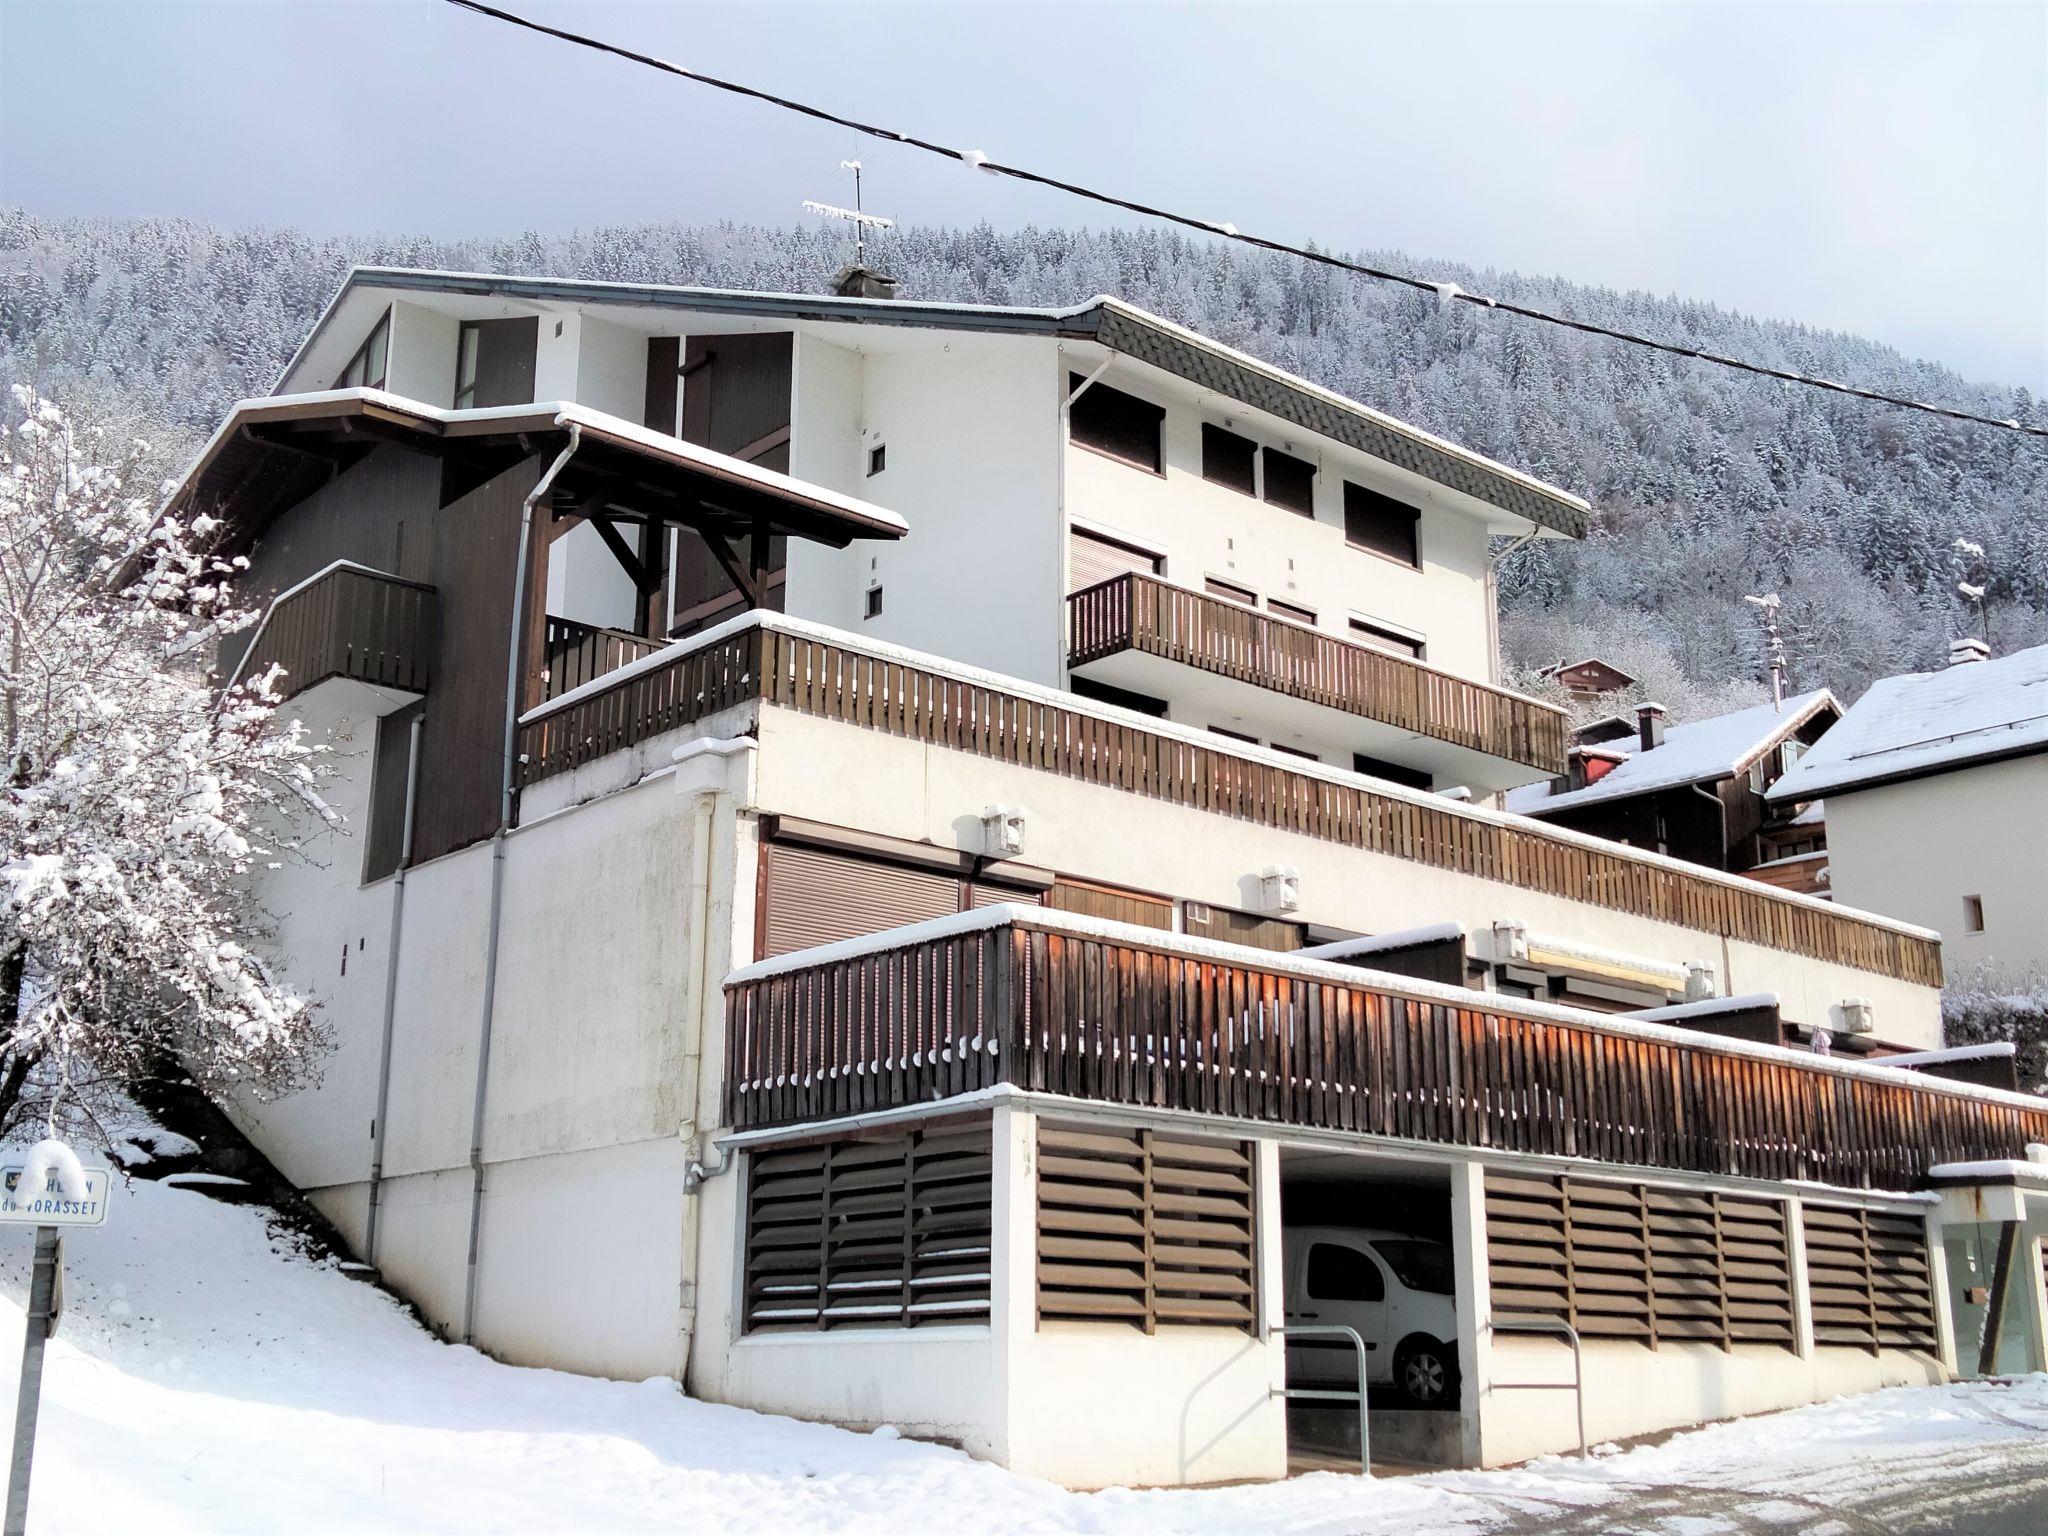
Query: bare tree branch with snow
132	797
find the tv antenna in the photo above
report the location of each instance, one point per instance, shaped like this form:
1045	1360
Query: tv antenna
861	221
1769	604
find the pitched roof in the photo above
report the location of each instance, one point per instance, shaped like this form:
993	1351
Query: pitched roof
1930	722
1121	327
1697	752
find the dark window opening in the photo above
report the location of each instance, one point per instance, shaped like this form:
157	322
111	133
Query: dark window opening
494	362
384	842
1393	773
1229	460
367	369
1290	483
1218	730
1112	422
1293	611
1381	524
1368	633
1296	751
1343	1274
1973	914
1230	592
873	609
878	459
1123	698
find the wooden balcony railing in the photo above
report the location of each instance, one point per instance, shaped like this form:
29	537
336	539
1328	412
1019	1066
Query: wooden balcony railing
580	653
1136	612
1139	1018
824	673
347	622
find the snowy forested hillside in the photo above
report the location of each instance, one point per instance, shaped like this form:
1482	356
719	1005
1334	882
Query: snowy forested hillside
1709	484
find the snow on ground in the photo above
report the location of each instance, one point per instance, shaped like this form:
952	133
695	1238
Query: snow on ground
203	1380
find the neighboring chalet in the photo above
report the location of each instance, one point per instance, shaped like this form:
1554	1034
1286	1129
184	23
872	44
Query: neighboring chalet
1697	791
1588	680
902	856
1936	786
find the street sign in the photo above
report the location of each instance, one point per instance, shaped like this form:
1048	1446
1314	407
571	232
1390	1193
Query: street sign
50	1206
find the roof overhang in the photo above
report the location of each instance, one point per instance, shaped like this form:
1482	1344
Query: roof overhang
1122	327
271	454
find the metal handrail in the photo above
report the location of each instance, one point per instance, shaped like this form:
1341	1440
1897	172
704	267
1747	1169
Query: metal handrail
1337	1330
1576	1386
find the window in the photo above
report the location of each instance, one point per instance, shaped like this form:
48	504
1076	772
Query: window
494	361
878	459
366	370
873	608
1093	558
1293	611
1230	592
385	843
1295	751
1381	524
1336	1273
1379	637
1290	483
1973	914
1217	730
1229	460
1419	1265
1123	698
1393	773
1112	422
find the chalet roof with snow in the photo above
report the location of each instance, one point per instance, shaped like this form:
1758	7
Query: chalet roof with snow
1930	722
1698	752
1122	327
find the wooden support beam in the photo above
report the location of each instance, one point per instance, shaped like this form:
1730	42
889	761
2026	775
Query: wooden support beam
739	575
629	561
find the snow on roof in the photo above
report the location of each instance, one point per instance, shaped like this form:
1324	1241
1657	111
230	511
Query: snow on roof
1693	753
1929	722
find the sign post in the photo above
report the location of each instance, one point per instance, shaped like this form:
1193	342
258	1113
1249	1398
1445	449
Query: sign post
46	1209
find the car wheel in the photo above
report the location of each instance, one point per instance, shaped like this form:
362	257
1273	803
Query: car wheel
1426	1373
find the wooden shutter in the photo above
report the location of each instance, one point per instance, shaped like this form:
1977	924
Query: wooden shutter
1091	558
1108	901
1145	1228
1112	422
812	896
887	1232
1867	1277
1643	1262
1228	927
1381	524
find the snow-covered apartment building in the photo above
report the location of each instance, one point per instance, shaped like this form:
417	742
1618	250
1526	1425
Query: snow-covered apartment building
923	864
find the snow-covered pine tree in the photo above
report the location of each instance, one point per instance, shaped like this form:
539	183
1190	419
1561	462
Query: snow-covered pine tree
132	799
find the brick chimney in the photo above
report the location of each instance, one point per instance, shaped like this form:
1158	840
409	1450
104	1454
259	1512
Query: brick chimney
857	282
1650	726
1967	649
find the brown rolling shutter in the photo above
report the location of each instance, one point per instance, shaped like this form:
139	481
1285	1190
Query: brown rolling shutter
1144	1228
815	897
983	894
1092	558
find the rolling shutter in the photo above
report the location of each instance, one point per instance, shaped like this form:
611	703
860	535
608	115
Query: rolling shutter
1143	1228
884	1232
1092	558
1867	1276
812	896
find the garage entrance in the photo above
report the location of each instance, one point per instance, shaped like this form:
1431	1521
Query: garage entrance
1366	1244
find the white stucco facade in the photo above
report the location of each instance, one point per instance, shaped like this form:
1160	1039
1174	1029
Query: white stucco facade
1920	848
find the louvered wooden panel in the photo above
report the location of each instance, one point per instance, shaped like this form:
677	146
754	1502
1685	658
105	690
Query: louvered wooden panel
1867	1276
1633	1261
872	1232
1144	1228
813	896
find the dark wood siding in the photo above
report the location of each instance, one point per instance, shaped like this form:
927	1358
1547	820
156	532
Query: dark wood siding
887	1231
736	389
1145	1228
664	359
1229	927
1087	900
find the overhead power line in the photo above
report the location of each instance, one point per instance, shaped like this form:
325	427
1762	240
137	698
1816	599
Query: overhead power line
1444	291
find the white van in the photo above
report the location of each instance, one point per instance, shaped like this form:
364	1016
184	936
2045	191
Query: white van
1396	1290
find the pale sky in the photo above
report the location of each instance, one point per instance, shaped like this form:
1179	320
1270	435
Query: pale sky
1876	168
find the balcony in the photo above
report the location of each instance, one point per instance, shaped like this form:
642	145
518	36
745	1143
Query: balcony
1130	1016
576	654
349	622
1139	633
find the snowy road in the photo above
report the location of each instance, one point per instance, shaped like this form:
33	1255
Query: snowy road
203	1382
